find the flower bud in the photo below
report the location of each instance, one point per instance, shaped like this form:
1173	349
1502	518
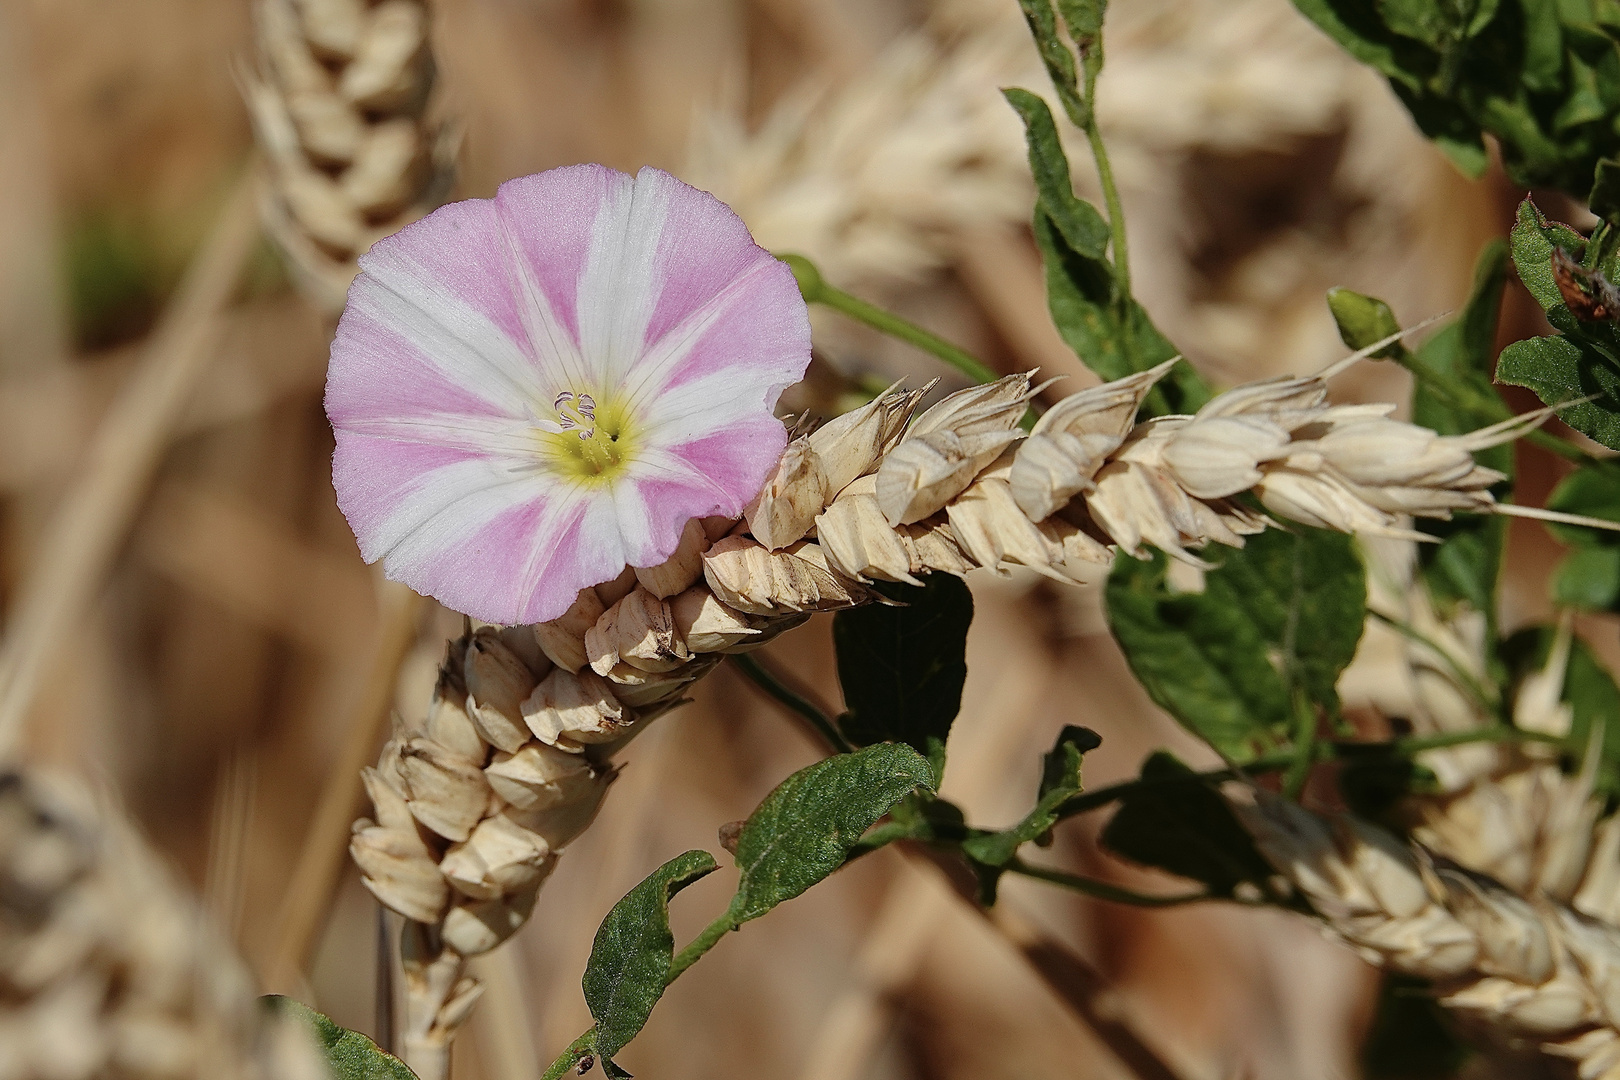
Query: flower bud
1134	503
996	406
926	471
639	689
681	569
707	625
1072	439
538	776
932	546
497	683
563	639
388	801
1286	400
1552	1008
498	859
1513	941
570	710
1084	560
949	445
638	630
790	500
1314	498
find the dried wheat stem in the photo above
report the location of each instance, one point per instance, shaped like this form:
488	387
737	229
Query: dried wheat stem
320	859
85	534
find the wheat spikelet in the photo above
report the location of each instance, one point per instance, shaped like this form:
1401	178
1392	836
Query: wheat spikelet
1520	970
106	968
876	178
341	109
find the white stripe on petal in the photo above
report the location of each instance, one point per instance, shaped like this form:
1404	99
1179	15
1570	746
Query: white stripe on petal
665	355
560	364
491	436
451	503
471	350
616	297
704	405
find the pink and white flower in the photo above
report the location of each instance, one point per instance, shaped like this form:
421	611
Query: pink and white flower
534	391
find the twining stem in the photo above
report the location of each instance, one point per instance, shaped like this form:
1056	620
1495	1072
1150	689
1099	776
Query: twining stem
701	944
816	291
1116	211
586	1043
766	680
566	1060
1102	890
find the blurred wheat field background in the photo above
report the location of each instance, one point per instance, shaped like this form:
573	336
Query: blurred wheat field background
229	651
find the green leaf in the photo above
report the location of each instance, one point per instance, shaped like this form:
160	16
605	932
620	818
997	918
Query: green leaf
805	829
1081	292
1084	18
1560	370
902	668
1604	200
1541	76
1285	610
1056	56
1588	578
1060	782
631	956
349	1054
1543	46
1593	491
1534	238
1083	228
1363	320
1590	692
1179	823
1358	32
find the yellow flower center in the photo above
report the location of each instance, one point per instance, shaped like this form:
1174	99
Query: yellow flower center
596	437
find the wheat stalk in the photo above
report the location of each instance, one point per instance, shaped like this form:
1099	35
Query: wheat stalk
342	109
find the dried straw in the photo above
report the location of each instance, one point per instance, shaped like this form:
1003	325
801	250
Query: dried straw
88	529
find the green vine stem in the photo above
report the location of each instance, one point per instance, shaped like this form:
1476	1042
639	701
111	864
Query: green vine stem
816	291
1102	890
762	677
581	1048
